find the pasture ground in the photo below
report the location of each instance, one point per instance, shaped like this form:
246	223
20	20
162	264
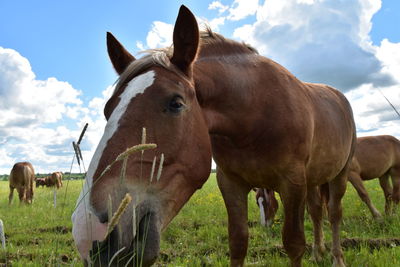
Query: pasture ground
40	235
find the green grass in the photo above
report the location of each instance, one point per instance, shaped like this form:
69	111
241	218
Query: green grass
40	235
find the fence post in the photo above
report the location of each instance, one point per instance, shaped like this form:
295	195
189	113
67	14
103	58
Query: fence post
2	235
55	197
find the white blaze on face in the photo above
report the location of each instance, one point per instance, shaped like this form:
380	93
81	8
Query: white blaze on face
86	226
262	213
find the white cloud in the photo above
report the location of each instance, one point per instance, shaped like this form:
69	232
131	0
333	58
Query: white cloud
241	9
33	114
140	45
324	41
216	23
160	35
372	113
219	6
389	54
328	41
23	98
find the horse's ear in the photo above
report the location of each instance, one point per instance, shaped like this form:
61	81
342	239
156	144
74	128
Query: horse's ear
120	57
186	40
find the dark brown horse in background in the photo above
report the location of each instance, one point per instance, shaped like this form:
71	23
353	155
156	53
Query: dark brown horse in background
263	126
22	177
40	182
377	157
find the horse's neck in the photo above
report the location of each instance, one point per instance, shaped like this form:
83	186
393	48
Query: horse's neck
234	91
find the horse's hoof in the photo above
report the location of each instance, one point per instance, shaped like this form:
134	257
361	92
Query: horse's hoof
318	253
338	263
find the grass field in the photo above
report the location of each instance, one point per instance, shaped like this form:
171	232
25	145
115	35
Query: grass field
40	235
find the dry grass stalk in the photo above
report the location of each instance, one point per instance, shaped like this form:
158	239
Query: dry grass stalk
144	135
160	167
134	149
123	170
109	206
126	154
117	215
134	220
115	255
153	167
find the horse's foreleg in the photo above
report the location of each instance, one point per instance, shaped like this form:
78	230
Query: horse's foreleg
315	207
293	198
10	196
358	184
387	190
337	188
235	196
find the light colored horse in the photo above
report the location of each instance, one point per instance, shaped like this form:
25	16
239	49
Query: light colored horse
213	96
22	177
377	157
56	178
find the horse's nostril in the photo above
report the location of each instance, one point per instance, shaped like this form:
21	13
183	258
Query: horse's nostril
103	218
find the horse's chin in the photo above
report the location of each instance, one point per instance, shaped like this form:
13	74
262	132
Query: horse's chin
143	248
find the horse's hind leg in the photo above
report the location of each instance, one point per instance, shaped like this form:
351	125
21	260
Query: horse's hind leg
10	196
293	198
387	190
235	196
358	184
315	209
395	174
337	188
22	194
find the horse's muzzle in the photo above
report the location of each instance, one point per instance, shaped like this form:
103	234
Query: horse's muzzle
118	249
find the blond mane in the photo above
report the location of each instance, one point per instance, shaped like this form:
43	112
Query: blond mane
211	43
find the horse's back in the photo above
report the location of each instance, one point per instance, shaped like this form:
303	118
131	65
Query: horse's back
376	155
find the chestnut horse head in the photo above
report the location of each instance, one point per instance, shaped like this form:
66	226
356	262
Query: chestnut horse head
267	204
265	129
155	92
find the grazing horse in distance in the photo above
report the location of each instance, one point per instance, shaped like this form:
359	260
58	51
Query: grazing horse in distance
268	205
22	177
377	157
208	96
56	178
40	182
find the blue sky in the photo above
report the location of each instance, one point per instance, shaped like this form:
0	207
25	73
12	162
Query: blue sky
66	39
58	47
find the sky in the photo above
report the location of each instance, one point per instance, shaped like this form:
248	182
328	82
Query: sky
55	73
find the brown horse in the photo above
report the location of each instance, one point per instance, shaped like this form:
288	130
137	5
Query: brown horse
268	205
22	177
56	178
40	182
212	96
377	156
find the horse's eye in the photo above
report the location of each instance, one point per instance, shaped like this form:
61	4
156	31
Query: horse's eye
176	104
